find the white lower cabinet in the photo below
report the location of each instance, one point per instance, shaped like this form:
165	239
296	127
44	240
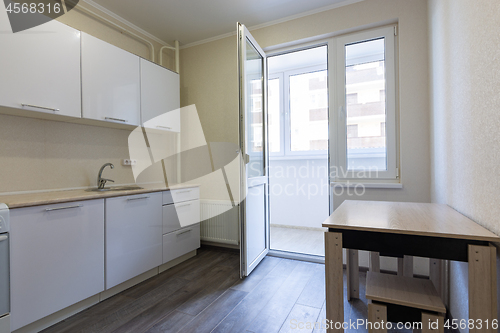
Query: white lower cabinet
57	258
180	242
133	236
181	222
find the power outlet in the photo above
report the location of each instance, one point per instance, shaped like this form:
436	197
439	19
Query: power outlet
129	162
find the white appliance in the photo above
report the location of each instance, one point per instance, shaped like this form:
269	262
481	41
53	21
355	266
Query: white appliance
4	269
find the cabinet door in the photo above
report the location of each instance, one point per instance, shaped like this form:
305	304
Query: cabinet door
133	236
40	68
110	82
57	258
160	97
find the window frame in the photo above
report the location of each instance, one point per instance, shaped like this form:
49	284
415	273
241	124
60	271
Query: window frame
285	118
338	115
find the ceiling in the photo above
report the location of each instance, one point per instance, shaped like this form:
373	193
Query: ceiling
190	21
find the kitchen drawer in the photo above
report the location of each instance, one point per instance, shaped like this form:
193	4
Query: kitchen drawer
180	195
180	242
177	216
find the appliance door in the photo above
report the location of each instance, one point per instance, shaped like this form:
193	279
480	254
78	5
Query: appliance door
4	275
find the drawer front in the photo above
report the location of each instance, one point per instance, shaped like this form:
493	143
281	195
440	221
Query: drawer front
177	216
181	195
180	242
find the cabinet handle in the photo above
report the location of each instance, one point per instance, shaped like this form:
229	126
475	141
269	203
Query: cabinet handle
165	127
188	204
115	119
185	191
61	208
139	198
184	232
40	107
2	238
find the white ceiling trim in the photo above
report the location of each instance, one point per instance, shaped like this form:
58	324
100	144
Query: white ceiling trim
267	24
125	22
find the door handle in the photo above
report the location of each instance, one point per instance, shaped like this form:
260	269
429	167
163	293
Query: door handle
115	119
39	107
2	238
139	198
61	208
184	232
247	158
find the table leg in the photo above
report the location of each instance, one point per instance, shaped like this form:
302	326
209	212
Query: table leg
432	323
408	266
482	286
374	262
352	271
405	266
377	318
334	281
436	275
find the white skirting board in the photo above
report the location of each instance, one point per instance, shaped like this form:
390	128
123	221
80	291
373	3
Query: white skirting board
219	222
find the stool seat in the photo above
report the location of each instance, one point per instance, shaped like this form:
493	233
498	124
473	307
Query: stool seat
401	290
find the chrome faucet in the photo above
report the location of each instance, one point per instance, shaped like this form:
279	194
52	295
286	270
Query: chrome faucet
101	182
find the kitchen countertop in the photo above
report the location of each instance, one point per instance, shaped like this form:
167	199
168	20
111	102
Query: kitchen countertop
53	197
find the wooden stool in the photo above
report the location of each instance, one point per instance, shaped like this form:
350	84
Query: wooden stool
403	299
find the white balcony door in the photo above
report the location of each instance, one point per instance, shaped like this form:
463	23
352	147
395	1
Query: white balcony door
254	206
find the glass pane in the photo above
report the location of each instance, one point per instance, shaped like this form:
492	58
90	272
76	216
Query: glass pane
274	115
366	105
309	111
255	111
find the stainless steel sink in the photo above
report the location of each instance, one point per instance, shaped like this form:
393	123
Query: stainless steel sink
114	188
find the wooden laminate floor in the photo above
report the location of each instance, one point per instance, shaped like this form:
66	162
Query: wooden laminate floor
205	294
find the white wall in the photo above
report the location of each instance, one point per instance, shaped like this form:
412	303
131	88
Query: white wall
465	118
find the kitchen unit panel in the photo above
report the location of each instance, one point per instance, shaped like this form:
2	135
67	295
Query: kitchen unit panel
133	236
40	68
110	82
177	216
181	195
180	242
57	258
160	97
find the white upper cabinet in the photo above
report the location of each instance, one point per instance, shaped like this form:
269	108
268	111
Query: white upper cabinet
110	82
40	68
160	97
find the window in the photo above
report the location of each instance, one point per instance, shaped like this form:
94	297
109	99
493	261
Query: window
298	103
364	86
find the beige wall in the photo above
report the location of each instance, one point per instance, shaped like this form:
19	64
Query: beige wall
209	80
465	118
42	155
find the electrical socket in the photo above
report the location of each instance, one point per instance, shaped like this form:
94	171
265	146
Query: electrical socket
129	162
